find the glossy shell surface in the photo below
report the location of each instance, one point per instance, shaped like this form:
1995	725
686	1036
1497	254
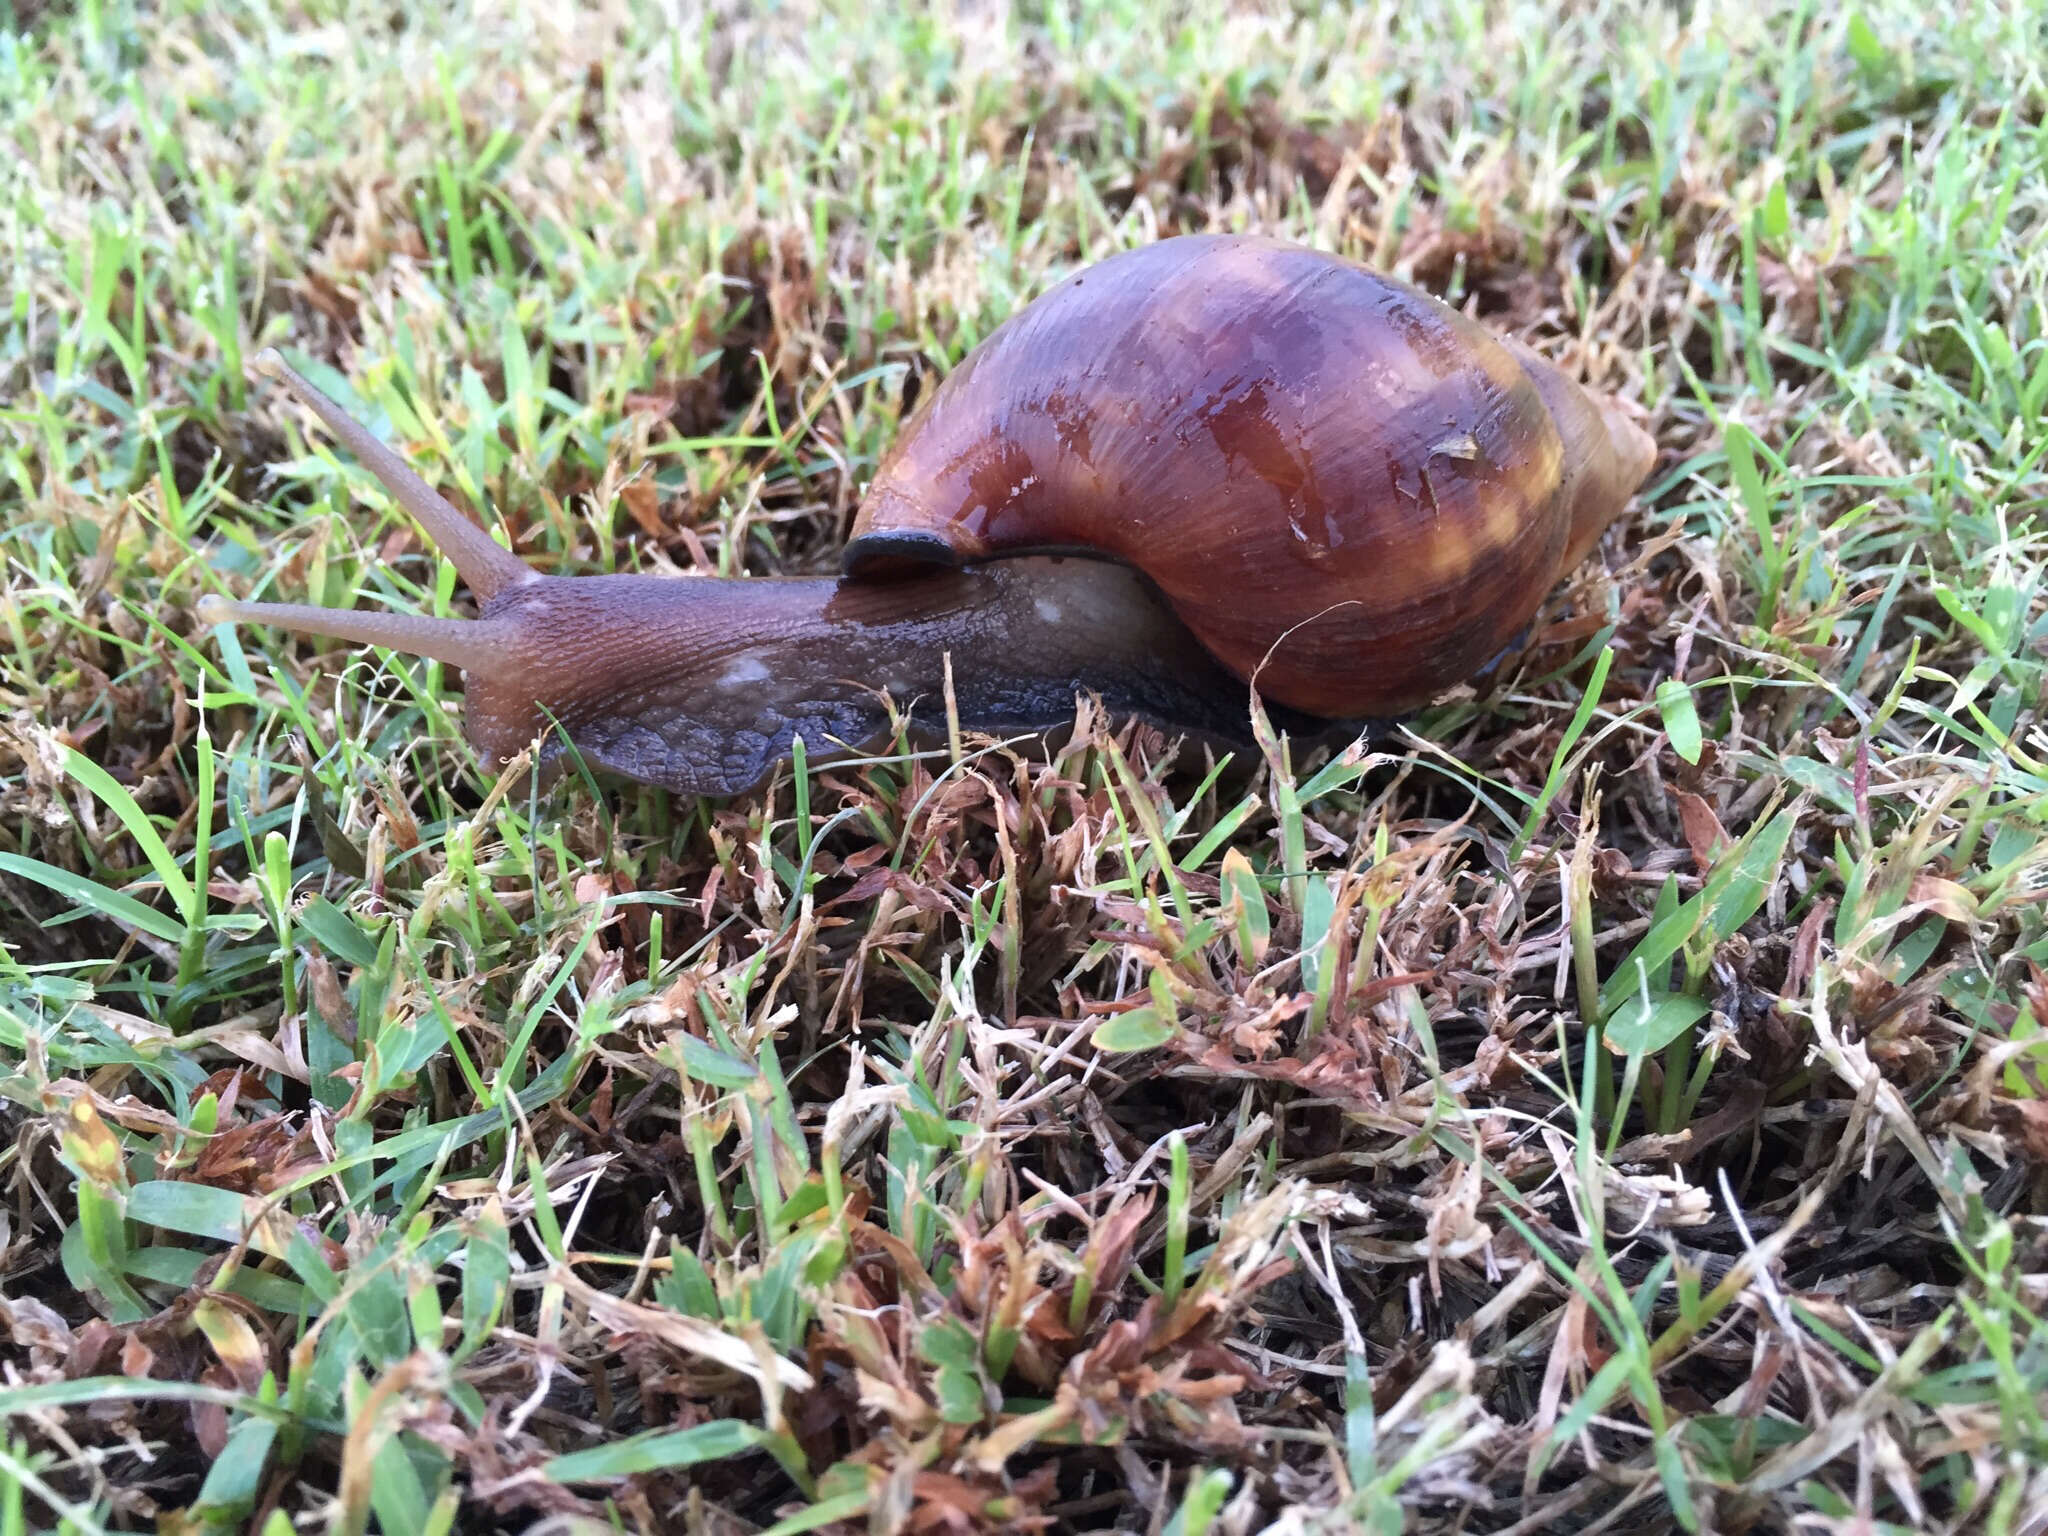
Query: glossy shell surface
1338	481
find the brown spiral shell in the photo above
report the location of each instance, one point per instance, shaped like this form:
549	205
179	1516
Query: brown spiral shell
1337	480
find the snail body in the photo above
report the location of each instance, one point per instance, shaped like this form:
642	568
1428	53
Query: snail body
1202	463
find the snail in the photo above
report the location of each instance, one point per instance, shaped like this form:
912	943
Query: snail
1200	466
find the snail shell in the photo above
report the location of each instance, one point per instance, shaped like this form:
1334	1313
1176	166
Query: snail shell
1338	482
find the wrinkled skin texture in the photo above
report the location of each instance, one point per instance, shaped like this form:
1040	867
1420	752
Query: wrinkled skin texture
699	685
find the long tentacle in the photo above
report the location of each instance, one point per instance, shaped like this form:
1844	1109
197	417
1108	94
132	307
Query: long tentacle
477	646
486	565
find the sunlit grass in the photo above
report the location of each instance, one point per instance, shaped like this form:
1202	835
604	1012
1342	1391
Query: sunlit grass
1616	1094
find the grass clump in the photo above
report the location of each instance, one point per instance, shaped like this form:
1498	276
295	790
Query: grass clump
1615	1102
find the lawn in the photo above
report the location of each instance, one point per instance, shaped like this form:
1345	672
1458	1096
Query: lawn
1614	1099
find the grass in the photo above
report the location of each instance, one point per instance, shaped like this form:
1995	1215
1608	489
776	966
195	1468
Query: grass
1617	1101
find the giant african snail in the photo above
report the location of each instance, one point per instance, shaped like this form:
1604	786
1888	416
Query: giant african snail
1207	459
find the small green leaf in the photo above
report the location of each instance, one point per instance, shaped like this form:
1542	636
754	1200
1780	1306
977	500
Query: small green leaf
824	1512
1339	773
1912	952
1749	484
687	1288
778	1301
1318	909
706	1063
1553	784
197	1210
1735	888
376	1309
1681	719
396	1493
338	933
1755	871
1179	1194
826	1260
1827	781
122	909
1671	1472
950	1345
115	798
89	1266
235	1478
486	1275
949	1341
1777	212
656	1451
959	1394
1225	829
931	1130
1644	1026
181	1266
1667	936
1202	1503
1871	55
1141	1029
1244	907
